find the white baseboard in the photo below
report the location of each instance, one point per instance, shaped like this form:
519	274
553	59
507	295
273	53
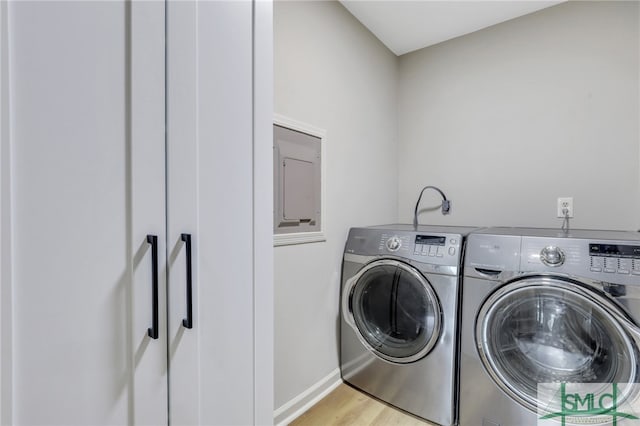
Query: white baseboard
293	409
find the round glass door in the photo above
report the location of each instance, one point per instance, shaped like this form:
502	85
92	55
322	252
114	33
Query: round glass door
394	311
552	330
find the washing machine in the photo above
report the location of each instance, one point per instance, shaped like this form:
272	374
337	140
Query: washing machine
546	306
399	308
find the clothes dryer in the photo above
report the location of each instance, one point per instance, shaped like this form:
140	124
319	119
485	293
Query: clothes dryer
399	312
545	306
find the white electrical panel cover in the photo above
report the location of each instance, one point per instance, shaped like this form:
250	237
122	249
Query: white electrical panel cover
297	181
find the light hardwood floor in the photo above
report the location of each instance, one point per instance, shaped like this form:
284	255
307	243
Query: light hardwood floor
348	406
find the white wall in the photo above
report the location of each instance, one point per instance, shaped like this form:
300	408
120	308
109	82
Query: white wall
507	119
330	73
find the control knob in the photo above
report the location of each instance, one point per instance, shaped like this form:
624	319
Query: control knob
552	256
394	243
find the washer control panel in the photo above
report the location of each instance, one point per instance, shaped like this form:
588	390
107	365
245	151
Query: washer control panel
611	261
614	258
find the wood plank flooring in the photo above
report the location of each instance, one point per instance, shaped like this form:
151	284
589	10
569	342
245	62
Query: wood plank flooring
350	407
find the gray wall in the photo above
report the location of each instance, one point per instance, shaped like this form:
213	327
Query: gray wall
507	119
331	73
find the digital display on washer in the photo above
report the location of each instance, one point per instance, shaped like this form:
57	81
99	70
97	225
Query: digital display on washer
614	250
432	240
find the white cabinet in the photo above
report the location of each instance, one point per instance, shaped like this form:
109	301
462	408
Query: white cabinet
210	129
88	174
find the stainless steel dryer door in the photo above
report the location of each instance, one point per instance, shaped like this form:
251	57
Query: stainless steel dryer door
394	310
551	329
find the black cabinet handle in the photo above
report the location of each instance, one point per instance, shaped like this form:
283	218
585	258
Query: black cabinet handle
188	321
153	331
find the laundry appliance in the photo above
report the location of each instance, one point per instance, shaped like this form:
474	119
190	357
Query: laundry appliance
399	309
545	306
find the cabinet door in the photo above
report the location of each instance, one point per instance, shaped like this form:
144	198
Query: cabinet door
86	96
210	196
182	209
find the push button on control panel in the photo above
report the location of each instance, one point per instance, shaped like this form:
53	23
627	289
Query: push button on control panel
610	265
624	266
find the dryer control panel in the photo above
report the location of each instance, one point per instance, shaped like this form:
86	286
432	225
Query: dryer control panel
434	245
425	247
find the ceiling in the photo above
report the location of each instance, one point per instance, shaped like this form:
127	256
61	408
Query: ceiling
404	26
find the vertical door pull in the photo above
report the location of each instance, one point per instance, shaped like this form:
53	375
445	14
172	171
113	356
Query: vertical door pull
153	331
188	321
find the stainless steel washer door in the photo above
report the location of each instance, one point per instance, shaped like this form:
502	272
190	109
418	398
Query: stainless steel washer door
394	310
550	330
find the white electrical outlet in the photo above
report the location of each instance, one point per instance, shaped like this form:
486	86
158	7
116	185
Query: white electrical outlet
565	203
